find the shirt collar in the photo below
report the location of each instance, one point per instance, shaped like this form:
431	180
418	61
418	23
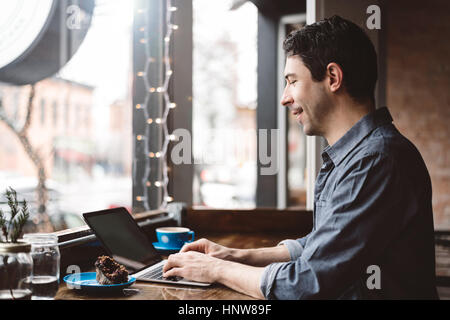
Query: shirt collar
356	134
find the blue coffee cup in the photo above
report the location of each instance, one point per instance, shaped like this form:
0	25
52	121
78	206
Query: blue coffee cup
174	237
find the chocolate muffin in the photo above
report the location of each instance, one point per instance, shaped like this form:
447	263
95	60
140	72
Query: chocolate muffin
109	271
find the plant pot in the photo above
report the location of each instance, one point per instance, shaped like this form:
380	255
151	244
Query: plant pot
16	270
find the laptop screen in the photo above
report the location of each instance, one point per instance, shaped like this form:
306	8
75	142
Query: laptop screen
122	237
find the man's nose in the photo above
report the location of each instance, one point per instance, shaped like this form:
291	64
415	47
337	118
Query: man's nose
286	99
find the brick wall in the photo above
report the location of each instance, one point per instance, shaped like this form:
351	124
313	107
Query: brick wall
418	87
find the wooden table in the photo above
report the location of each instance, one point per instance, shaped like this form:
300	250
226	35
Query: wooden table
155	291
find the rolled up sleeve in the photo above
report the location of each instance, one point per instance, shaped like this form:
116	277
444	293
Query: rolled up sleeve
268	278
294	247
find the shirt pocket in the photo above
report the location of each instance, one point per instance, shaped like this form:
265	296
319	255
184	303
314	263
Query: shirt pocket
321	202
322	211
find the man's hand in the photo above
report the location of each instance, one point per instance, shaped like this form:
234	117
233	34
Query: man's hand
196	266
239	269
192	265
210	248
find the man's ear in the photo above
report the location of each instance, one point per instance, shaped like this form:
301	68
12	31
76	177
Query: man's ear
335	76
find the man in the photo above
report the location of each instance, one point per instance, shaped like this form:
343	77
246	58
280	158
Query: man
372	210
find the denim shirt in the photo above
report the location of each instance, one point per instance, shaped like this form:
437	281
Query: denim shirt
372	211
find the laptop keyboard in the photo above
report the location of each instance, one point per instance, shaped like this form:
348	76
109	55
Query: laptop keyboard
157	274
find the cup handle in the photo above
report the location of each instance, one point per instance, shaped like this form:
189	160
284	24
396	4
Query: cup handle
192	235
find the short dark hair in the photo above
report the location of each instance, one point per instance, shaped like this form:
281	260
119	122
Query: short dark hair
341	41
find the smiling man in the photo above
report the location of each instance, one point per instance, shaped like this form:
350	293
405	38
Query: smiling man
372	207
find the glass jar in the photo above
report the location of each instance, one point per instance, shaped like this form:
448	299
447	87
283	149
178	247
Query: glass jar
46	260
16	269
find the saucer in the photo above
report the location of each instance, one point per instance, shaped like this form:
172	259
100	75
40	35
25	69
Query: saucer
162	248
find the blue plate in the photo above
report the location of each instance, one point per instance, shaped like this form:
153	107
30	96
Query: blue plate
87	281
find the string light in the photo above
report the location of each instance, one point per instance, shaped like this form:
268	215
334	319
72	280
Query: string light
168	105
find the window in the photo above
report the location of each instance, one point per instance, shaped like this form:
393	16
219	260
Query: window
219	123
80	127
224	104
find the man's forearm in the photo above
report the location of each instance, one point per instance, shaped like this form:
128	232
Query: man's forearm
240	277
261	257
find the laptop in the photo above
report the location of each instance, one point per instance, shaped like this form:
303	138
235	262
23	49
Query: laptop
126	243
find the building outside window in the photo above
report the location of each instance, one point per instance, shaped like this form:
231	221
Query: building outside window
80	127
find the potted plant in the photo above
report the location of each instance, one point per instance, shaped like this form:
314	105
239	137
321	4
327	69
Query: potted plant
16	264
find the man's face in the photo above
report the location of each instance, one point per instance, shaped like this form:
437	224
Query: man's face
305	98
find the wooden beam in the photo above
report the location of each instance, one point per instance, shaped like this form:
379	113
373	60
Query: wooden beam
256	220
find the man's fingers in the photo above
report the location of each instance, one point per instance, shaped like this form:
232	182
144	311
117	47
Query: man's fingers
174	272
198	245
190	265
186	247
171	262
